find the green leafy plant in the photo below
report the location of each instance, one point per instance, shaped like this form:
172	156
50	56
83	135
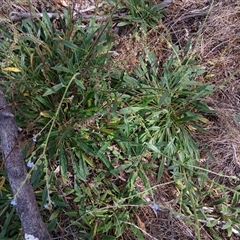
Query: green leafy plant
163	107
91	132
142	14
60	88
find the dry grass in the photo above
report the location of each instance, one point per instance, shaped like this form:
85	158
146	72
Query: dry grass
220	53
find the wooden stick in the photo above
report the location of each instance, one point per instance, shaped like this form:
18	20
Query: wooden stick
24	197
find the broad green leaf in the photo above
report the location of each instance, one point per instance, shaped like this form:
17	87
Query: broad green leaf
131	82
230	231
79	84
68	191
227	225
107	237
54	214
212	223
138	232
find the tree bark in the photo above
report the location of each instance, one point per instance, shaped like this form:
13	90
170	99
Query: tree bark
26	205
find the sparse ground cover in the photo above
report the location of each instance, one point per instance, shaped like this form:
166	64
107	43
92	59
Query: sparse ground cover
130	125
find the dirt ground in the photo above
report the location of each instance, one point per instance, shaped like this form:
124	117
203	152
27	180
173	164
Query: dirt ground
213	26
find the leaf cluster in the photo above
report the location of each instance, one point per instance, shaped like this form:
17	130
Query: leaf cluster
92	132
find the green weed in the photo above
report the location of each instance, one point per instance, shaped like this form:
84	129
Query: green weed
87	128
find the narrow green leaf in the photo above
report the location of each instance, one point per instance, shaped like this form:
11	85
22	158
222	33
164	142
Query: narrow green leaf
218	201
80	167
70	45
48	25
52	224
72	214
44	101
160	170
63	165
122	24
88	160
187	119
53	89
145	180
61	68
235	199
214	234
7	221
153	148
137	232
101	154
157	7
44	195
105	161
163	98
121	168
85	147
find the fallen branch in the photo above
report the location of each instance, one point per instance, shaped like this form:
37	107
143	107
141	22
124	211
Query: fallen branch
18	16
24	198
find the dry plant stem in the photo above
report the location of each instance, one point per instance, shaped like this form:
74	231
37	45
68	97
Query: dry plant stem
27	207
